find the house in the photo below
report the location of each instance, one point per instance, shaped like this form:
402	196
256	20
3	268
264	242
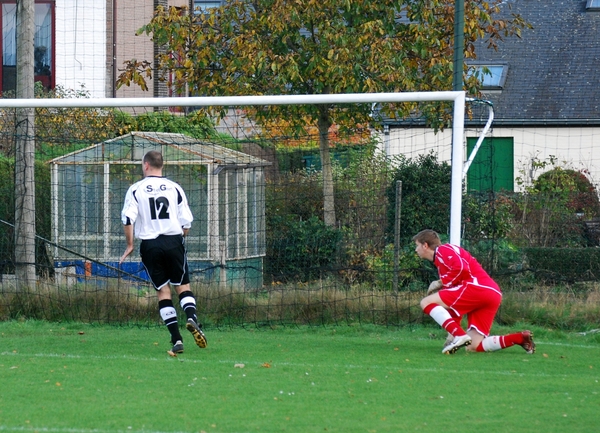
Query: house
82	45
545	92
544	88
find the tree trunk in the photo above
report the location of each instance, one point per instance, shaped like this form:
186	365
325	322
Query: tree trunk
324	124
25	150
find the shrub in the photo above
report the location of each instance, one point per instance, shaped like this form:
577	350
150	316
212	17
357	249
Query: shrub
549	210
300	250
497	256
425	196
360	181
299	194
7	215
361	197
487	216
196	124
564	264
62	130
579	193
377	269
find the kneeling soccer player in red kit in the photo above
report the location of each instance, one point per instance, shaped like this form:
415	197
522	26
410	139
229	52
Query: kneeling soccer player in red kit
464	288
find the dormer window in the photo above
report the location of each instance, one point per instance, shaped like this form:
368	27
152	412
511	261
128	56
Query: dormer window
593	5
492	76
201	6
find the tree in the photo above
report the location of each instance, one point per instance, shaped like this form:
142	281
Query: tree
300	47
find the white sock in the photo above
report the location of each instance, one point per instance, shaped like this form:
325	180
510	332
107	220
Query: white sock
440	315
168	314
491	344
187	301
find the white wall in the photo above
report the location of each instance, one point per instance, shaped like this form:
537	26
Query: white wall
81	45
576	148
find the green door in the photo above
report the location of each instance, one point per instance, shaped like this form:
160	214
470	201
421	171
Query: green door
493	166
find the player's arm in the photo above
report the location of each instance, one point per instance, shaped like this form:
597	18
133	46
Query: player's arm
128	216
184	213
128	230
450	266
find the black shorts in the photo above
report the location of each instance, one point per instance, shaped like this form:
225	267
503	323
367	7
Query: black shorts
165	260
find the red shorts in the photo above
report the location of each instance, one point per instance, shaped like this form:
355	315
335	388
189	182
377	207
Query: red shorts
478	303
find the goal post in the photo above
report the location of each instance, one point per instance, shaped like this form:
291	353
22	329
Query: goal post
458	98
256	190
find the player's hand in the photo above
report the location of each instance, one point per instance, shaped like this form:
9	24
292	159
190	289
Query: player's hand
434	287
128	251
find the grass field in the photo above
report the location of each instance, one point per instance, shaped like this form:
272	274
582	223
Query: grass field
78	378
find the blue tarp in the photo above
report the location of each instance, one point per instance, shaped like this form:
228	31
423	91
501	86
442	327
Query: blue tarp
133	271
130	270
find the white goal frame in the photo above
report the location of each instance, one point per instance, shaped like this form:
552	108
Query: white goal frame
457	97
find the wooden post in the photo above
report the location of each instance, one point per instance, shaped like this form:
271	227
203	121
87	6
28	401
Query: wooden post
397	234
25	149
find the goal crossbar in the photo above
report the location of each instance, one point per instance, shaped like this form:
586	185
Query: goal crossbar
206	101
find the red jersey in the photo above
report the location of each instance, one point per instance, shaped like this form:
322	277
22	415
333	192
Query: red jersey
457	268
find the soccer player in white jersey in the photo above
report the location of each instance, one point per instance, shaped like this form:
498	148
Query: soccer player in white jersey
464	288
158	209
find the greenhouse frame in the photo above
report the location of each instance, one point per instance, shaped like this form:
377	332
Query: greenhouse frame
225	189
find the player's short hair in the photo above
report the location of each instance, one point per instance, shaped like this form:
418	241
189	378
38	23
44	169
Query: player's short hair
154	158
429	237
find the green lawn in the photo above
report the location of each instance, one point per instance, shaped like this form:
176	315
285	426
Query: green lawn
78	378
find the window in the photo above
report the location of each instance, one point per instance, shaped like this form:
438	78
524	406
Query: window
492	76
43	45
200	6
593	5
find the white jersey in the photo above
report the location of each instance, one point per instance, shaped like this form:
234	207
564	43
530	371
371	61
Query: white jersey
156	206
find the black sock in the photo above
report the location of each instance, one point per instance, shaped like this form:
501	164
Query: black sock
169	316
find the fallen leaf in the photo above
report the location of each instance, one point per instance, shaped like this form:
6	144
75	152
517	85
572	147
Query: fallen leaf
171	353
266	365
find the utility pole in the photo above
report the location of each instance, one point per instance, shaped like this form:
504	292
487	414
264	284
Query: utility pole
25	149
459	44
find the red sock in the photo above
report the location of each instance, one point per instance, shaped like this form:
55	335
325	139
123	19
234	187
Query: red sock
511	339
453	328
456	318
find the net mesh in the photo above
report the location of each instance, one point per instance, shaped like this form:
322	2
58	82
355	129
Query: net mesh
259	251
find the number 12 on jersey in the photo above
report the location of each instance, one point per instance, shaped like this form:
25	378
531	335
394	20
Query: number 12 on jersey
160	205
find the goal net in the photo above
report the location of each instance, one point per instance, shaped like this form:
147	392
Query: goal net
261	250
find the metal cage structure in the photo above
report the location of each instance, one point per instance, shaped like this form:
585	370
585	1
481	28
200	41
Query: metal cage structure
225	189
